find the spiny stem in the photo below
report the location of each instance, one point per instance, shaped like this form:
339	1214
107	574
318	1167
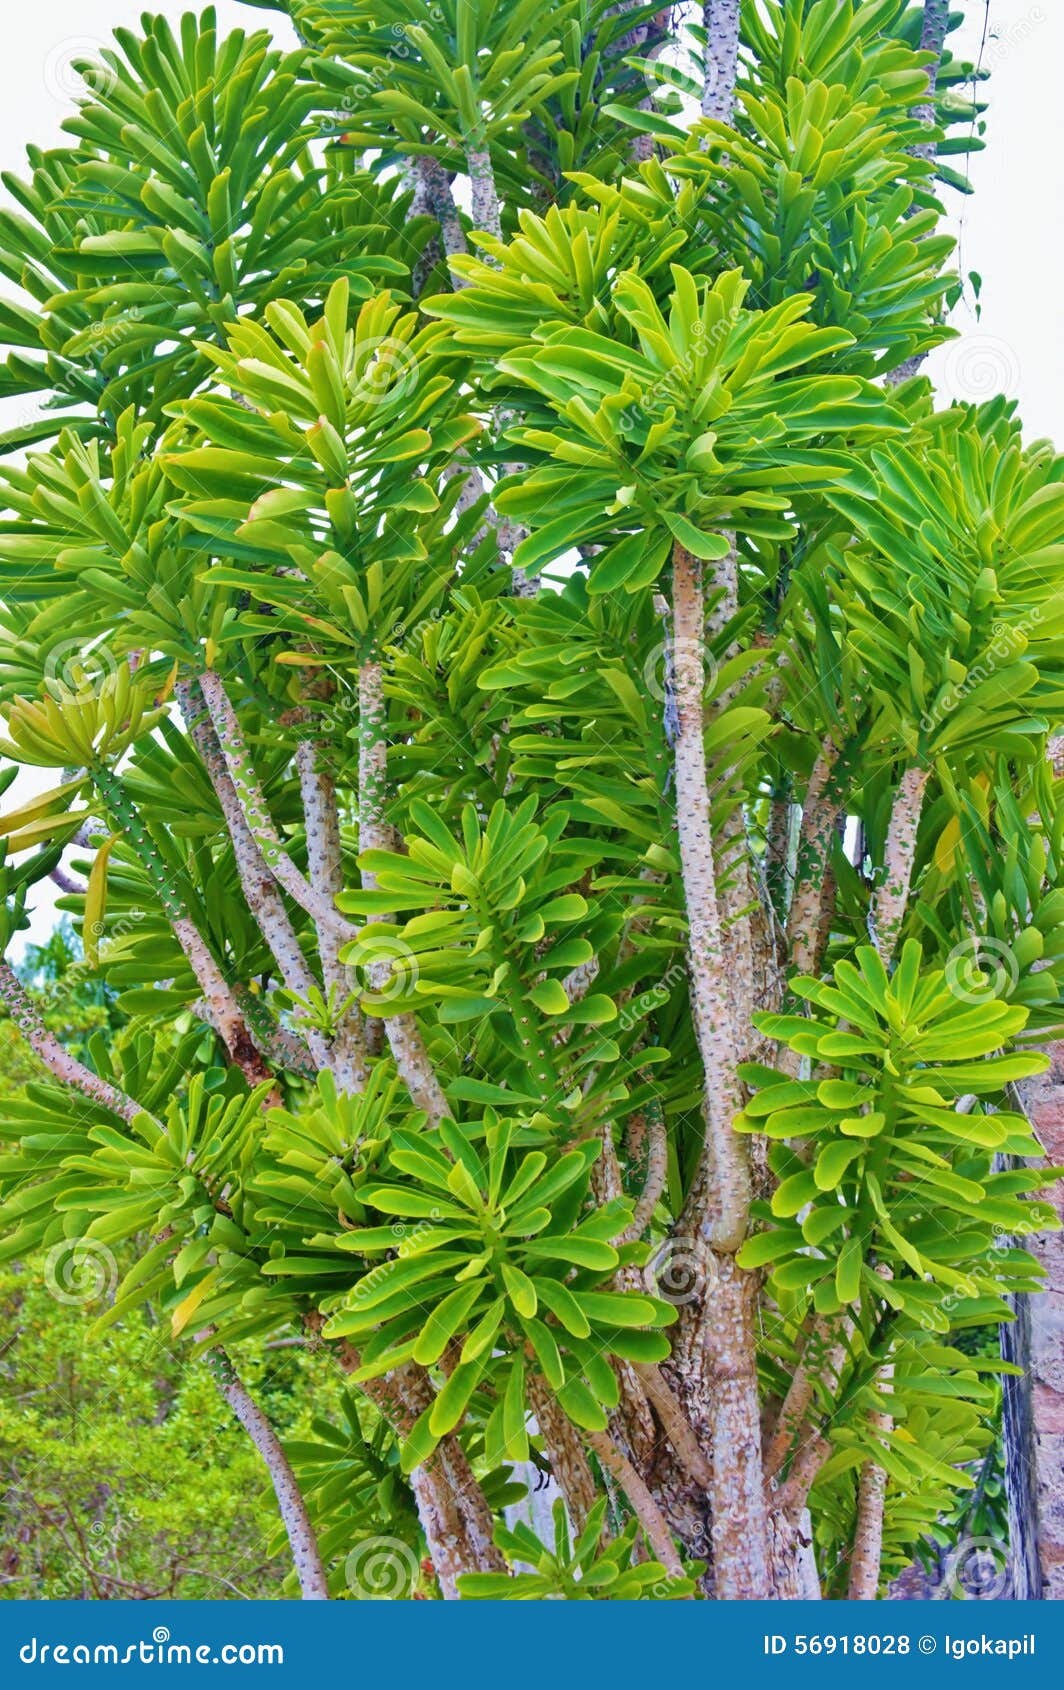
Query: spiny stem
306	1555
59	1062
256	812
226	1015
891	897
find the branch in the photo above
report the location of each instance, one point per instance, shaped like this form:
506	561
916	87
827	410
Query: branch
306	1555
677	1428
59	1062
644	1507
263	899
485	194
657	1168
720	19
932	40
257	815
451	1505
564	1451
890	898
865	1563
347	1052
225	1012
439	199
815	840
725	1172
374	834
823	1355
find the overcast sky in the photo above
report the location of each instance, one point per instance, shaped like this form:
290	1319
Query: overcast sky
1011	228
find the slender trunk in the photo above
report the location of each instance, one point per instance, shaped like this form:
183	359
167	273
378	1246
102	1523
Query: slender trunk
867	1556
564	1451
892	895
65	1068
347	1052
485	196
451	1505
644	1507
720	19
439	200
725	1181
256	813
868	1534
815	840
932	40
264	901
718	1365
739	1515
404	1035
225	1012
306	1555
823	1355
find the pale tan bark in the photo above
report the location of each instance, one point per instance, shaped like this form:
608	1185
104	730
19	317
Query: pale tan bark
58	1061
257	815
346	1055
720	19
306	1556
403	1033
564	1451
644	1507
724	1183
891	896
816	834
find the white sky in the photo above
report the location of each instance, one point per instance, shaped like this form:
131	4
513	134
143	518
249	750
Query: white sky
1011	228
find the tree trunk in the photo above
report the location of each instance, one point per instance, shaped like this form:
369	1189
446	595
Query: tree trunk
1034	1404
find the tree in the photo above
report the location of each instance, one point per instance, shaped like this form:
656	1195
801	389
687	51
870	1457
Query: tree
561	718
